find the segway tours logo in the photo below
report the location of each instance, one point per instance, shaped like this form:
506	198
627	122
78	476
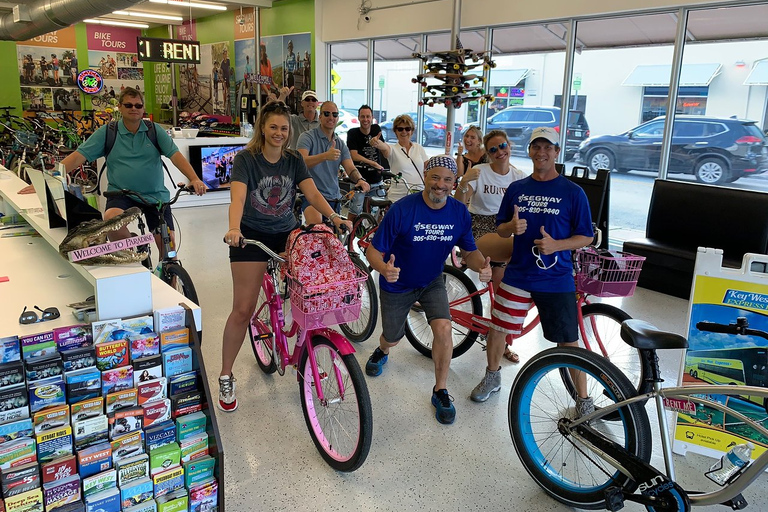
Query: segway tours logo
90	81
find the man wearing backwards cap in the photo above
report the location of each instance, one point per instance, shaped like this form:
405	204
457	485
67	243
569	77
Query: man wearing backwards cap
549	217
408	250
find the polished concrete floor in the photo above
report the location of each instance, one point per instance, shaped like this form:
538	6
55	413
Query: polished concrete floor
414	462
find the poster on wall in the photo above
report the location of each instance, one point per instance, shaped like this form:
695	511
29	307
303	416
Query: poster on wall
112	52
201	86
245	54
286	61
728	345
48	68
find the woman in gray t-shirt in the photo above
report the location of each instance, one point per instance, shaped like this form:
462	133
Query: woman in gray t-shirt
265	176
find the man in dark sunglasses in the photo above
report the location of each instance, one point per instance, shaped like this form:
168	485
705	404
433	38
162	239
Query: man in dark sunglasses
549	217
305	120
323	153
134	162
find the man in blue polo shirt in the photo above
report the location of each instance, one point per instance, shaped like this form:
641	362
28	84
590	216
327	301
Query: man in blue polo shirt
409	249
323	153
134	164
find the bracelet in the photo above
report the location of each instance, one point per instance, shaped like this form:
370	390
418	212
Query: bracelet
334	215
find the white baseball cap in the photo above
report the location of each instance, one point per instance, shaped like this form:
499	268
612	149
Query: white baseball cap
546	133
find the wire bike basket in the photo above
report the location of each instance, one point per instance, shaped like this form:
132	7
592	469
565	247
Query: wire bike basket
607	273
323	305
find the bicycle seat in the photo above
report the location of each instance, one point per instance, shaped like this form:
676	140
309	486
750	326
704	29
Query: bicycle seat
644	336
380	202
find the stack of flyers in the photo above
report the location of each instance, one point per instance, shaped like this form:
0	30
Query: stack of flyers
83	384
143	345
43	367
165	457
171	340
156	412
177	361
76	506
30	501
139	325
53	444
190	425
152	390
47	393
16	429
122	400
59	469
11	374
99	482
136	492
20	479
186	403
147	368
204	496
170	318
116	379
94	459
79	358
37	345
132	468
183	383
89	408
174	501
198	470
14	403
61	492
90	431
17	453
160	434
147	506
108	330
105	501
168	480
9	349
128	445
194	447
51	418
73	336
111	354
125	421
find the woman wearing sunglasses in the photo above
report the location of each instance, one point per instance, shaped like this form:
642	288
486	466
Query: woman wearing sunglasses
406	157
482	188
265	176
472	141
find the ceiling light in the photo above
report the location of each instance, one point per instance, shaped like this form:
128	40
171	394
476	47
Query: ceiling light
116	23
148	15
184	3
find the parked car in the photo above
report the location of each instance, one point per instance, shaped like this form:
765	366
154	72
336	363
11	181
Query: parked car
519	121
347	121
433	133
715	150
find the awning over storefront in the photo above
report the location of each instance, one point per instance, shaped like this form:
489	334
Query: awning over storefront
759	74
508	77
658	75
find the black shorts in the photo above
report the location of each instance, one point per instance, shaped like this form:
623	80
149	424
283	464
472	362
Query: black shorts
275	241
150	212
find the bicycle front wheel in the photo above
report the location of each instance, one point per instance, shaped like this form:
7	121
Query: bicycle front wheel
364	224
341	425
540	411
178	278
87	177
362	328
417	329
262	334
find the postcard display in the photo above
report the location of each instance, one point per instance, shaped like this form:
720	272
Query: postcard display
728	344
109	416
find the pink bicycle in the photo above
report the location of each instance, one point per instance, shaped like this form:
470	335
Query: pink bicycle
334	395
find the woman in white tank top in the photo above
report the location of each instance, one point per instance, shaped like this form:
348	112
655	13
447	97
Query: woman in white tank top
482	188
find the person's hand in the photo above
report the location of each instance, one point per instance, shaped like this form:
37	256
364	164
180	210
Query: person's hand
29	189
471	174
460	149
518	225
391	273
285	92
485	271
546	244
198	186
332	153
376	141
271	97
364	185
339	221
233	237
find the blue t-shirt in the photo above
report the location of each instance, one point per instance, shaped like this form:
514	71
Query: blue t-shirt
563	209
326	173
421	239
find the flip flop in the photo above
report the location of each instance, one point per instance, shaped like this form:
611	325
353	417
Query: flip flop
511	356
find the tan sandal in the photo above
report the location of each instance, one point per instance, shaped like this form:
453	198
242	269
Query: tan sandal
511	355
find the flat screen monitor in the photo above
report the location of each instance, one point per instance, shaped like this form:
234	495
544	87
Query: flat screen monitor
213	163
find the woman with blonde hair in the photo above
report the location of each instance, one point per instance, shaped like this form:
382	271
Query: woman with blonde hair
405	156
482	188
472	141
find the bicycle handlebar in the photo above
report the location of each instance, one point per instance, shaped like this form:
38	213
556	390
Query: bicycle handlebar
270	252
739	328
131	193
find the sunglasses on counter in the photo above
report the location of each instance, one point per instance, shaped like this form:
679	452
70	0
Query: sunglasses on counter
328	114
494	149
133	105
30	317
403	128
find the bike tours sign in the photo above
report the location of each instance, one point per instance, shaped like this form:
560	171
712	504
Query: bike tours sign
728	345
112	54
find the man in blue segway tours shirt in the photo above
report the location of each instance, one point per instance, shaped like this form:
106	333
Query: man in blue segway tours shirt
408	250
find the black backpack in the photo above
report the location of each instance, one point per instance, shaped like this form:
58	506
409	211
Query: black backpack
109	143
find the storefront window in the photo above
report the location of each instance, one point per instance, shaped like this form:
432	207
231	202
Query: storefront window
690	100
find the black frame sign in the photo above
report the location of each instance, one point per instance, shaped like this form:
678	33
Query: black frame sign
168	50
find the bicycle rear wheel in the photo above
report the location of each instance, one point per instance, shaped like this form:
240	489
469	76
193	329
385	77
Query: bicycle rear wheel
417	329
341	425
540	412
85	176
259	326
182	282
362	328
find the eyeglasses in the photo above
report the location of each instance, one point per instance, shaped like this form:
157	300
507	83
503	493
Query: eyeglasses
404	128
539	262
494	149
133	105
30	317
329	114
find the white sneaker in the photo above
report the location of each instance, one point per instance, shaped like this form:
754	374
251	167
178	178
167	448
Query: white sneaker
227	399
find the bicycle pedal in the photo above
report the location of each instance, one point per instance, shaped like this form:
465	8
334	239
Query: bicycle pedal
737	502
614	499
